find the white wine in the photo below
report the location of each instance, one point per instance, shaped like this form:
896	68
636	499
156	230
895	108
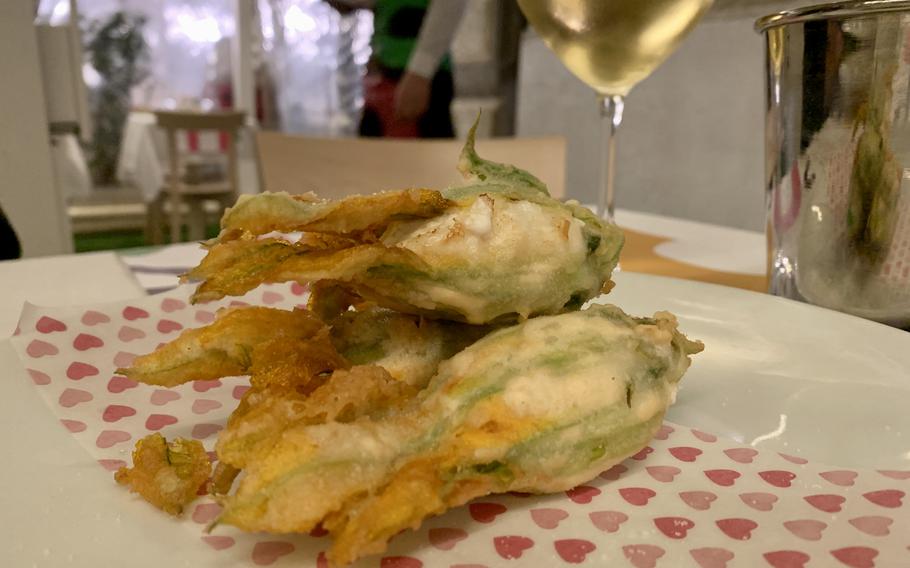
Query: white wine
613	44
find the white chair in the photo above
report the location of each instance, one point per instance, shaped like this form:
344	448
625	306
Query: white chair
189	184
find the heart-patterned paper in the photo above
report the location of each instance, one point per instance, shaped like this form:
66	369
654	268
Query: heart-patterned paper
689	499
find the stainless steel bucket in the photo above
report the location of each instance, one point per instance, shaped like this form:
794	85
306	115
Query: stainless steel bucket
837	150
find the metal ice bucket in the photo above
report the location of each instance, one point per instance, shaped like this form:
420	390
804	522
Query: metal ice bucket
837	151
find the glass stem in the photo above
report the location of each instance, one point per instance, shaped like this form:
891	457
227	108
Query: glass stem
611	107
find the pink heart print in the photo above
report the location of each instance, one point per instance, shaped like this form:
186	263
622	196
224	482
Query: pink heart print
218	542
737	529
38	377
85	341
890	498
118	384
124	359
741	455
92	318
787	559
203	405
608	521
685	453
614	472
842	478
400	562
204	316
583	494
794	459
128	333
856	556
74	426
79	370
203	431
71	397
548	518
270	298
132	313
712	557
663	432
156	422
115	412
637	495
485	512
826	503
643	453
806	529
268	552
37	349
203	386
722	477
49	325
698	500
674	527
108	438
778	478
574	550
446	538
895	474
663	473
168	326
169	305
205	513
112	465
510	547
873	525
704	436
643	555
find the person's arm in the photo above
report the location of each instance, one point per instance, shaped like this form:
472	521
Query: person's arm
412	97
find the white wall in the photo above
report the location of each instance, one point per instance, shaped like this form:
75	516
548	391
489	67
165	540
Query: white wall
692	141
27	191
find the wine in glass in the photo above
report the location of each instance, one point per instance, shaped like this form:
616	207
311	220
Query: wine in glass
612	45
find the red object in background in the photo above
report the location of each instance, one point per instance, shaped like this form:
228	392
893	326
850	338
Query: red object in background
379	98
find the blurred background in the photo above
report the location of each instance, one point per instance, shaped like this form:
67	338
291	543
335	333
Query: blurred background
82	157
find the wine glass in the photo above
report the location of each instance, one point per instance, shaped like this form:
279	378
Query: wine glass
612	45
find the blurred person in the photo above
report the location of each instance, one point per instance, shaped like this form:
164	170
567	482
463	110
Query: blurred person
9	242
409	88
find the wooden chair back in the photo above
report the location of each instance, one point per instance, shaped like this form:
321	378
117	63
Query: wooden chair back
337	167
177	188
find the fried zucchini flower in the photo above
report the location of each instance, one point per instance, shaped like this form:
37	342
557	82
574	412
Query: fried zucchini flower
537	407
497	249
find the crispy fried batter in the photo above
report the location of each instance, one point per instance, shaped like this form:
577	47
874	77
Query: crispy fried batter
222	479
236	267
331	298
222	348
291	363
167	475
356	214
265	413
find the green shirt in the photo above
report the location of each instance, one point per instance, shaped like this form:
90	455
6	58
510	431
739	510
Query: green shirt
396	25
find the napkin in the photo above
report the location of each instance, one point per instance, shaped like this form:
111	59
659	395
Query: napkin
688	499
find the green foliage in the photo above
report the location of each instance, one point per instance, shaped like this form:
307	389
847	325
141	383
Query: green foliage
119	54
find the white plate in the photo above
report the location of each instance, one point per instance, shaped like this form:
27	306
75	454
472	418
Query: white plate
777	374
785	375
